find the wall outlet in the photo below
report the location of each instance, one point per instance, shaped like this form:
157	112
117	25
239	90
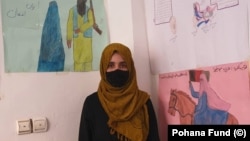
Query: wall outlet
24	126
39	124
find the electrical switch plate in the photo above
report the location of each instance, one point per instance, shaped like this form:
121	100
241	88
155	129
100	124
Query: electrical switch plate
24	126
39	124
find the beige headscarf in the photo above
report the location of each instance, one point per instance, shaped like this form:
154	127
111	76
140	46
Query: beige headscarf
126	106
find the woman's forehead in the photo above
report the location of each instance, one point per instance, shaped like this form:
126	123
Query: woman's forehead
117	57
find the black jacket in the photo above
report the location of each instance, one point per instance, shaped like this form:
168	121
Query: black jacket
93	124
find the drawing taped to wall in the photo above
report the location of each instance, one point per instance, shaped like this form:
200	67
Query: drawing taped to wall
208	95
199	28
28	48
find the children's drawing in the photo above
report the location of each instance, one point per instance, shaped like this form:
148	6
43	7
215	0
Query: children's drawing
203	16
216	95
191	114
201	27
210	107
53	36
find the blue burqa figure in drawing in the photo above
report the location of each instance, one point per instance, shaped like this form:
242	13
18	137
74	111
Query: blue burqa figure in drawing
52	54
211	109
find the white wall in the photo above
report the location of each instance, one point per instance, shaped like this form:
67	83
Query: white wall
59	96
146	81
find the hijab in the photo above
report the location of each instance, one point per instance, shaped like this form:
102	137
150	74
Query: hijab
126	105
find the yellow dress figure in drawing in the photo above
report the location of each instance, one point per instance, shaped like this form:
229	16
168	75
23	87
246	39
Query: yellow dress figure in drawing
79	30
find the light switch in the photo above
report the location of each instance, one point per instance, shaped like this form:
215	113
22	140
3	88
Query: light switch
24	126
39	124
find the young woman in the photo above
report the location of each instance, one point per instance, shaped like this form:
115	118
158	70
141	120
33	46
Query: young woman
119	110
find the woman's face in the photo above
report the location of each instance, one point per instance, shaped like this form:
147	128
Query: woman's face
117	62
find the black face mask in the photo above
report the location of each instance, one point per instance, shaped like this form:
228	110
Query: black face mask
117	78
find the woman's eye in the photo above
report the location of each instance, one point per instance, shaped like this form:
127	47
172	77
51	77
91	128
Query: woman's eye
123	65
110	65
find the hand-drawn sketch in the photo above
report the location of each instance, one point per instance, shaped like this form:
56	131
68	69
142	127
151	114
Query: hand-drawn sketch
52	55
35	42
216	95
210	108
79	29
163	11
202	16
191	114
200	28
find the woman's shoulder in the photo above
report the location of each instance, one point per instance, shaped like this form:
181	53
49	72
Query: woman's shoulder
92	97
91	101
92	105
149	102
